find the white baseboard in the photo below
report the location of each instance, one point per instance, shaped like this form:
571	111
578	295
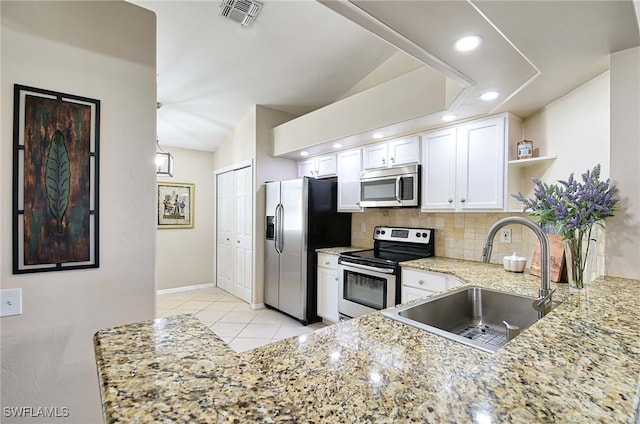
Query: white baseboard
186	288
258	306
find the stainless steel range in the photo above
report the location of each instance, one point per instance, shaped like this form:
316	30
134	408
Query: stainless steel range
370	279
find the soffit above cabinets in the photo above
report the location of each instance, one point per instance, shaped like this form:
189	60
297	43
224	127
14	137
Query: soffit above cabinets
532	52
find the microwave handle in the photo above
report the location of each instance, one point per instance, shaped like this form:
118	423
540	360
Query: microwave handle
398	189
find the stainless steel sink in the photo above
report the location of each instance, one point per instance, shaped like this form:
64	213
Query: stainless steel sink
479	317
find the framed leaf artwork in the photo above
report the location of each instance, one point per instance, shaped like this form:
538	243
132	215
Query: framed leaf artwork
175	205
55	181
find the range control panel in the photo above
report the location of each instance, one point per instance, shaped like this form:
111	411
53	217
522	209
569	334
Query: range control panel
409	235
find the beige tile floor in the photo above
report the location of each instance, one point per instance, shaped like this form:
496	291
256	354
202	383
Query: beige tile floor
232	319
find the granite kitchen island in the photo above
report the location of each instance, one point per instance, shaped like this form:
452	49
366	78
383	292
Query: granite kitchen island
580	363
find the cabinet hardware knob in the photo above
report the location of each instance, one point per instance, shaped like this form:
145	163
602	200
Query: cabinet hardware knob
327	263
227	238
421	282
336	278
238	241
450	200
393	159
463	200
383	160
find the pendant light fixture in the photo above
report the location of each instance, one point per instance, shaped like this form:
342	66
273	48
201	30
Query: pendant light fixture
164	160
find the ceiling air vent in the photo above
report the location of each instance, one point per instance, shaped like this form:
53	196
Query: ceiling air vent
242	11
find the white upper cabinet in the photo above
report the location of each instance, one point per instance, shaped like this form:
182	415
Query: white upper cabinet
398	152
318	167
375	156
404	151
481	164
439	169
464	166
349	169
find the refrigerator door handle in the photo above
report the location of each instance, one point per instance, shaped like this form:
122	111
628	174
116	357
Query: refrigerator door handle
278	234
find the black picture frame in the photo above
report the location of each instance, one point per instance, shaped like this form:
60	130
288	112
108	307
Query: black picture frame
56	163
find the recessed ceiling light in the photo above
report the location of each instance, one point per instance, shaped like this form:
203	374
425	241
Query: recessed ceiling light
304	153
449	117
337	145
489	95
378	135
468	43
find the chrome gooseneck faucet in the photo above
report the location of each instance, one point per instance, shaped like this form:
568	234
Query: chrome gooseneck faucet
545	282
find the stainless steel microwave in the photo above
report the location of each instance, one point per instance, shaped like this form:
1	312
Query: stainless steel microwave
391	187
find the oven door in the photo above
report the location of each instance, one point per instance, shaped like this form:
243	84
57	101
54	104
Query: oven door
364	289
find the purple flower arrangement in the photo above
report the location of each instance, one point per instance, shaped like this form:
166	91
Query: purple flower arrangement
572	205
572	208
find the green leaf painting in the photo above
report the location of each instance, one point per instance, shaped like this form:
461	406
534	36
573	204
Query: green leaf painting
58	172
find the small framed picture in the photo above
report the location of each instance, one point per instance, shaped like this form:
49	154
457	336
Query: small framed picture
175	205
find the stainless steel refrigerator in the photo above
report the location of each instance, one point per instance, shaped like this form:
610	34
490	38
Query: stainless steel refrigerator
301	217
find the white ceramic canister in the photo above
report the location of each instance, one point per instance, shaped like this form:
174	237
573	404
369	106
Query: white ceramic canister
514	263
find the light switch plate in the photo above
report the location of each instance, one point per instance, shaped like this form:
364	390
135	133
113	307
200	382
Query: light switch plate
10	302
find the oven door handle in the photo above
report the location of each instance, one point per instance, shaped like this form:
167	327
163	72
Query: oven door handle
398	189
369	268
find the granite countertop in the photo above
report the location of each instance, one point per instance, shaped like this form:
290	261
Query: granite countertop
581	363
339	250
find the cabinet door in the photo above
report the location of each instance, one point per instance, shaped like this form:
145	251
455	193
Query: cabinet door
404	151
375	156
224	228
481	164
439	170
411	293
349	169
328	294
326	166
306	168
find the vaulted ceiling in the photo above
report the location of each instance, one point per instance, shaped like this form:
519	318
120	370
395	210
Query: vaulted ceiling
301	55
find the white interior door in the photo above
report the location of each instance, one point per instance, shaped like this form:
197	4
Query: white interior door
224	231
243	233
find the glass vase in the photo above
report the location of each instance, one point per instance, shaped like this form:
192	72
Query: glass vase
579	254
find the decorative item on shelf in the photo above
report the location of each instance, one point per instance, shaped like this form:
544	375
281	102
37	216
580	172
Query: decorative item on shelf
164	162
514	263
525	149
573	208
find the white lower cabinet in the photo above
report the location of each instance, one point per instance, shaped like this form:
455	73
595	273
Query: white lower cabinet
417	284
328	287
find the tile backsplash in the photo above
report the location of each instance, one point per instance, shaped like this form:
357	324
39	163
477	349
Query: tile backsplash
458	235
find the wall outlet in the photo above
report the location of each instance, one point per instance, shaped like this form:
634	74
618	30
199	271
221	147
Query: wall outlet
363	227
505	235
10	302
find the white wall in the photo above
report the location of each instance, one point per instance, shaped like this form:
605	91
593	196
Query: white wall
251	140
574	127
106	51
623	230
185	256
